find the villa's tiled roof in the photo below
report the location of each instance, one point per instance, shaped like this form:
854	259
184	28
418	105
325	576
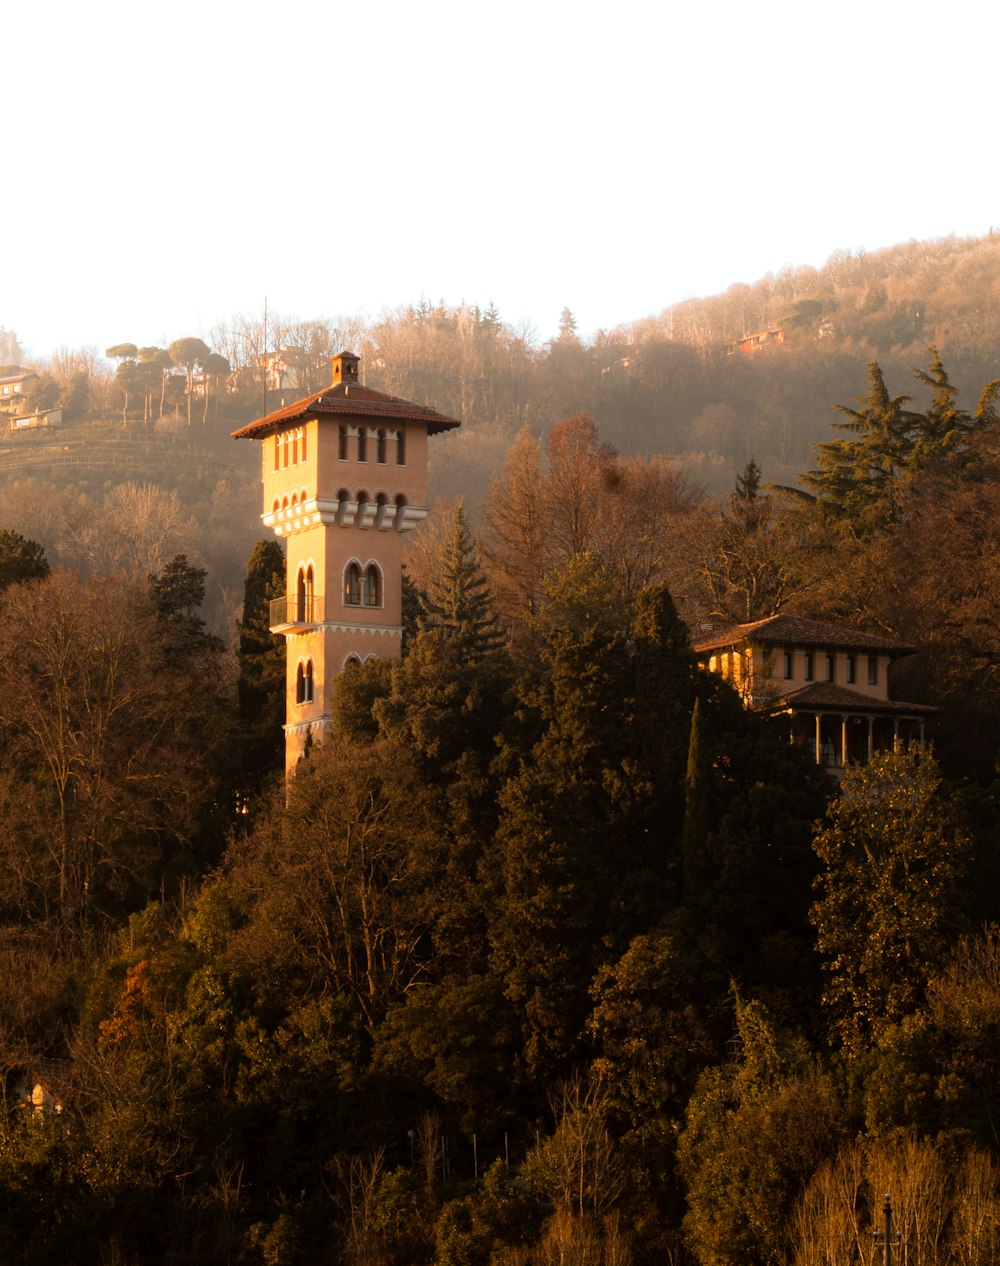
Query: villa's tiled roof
823	695
349	400
796	630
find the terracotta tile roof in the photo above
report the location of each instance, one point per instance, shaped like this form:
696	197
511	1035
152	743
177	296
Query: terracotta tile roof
348	400
796	630
824	694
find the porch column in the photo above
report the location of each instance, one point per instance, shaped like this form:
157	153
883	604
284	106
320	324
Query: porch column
843	740
819	745
871	737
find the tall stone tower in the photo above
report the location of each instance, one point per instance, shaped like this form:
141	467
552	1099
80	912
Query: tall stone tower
345	474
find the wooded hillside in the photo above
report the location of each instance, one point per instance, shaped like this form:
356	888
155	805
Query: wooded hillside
554	952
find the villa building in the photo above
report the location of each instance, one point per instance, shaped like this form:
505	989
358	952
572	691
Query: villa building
832	681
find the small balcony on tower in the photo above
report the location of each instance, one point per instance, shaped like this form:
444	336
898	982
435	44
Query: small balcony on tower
296	612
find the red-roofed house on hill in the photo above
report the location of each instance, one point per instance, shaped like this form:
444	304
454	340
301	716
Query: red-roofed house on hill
345	474
832	681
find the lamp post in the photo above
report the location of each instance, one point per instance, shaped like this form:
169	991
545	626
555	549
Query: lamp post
887	1237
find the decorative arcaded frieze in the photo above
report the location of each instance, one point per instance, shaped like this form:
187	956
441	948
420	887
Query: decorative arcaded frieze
366	630
300	727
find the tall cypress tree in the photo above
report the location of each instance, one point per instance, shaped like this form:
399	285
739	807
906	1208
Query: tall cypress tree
261	686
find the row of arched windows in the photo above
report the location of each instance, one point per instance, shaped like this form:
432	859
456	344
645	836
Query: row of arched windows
362	444
362	588
305	676
289	448
286	503
362	497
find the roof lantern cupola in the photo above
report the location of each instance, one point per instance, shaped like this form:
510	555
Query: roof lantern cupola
345	368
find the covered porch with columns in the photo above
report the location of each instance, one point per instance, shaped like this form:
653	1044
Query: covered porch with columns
840	727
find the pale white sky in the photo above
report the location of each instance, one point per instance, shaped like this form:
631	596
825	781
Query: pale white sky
170	167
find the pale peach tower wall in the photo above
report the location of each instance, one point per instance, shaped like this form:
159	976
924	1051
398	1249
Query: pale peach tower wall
344	476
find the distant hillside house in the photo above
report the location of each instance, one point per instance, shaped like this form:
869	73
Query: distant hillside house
28	421
40	1089
13	389
832	681
752	343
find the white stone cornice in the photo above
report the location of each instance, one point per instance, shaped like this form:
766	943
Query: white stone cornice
410	517
317	510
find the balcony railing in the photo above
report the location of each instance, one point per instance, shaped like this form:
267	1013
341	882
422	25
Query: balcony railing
296	611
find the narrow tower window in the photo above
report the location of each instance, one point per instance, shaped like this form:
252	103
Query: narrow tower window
373	586
352	585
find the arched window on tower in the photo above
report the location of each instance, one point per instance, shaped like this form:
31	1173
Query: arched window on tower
401	446
352	585
342	442
302	454
380	446
304	595
304	682
362	444
373	586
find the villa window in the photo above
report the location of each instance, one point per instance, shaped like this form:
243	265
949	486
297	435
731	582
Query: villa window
809	666
830	667
873	670
852	669
788	664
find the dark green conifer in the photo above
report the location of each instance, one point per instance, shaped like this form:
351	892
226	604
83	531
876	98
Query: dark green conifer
20	559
